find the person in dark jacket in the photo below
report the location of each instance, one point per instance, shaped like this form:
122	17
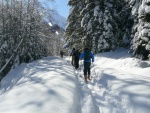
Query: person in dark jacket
72	55
76	59
61	54
87	56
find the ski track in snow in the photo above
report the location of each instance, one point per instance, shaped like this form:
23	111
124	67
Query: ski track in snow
114	87
103	95
87	101
93	92
109	100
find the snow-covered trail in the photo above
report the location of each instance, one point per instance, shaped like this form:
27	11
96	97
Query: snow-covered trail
120	84
87	102
49	85
45	86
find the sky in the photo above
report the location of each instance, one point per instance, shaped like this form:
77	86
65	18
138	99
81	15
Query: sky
120	84
62	7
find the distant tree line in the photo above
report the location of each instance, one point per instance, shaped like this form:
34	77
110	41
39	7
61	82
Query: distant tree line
104	25
24	34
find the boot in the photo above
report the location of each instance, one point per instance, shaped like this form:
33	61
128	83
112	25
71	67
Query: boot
89	77
85	78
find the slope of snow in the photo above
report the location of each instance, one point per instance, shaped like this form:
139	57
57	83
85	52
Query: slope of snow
120	84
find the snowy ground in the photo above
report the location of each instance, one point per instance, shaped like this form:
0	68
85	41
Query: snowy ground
120	84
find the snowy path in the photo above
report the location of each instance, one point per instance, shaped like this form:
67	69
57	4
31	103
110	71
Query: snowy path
49	85
120	84
44	86
87	102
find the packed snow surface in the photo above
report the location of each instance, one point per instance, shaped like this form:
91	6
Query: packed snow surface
120	84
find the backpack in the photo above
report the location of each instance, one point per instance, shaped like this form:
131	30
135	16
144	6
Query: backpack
87	55
76	54
72	53
61	53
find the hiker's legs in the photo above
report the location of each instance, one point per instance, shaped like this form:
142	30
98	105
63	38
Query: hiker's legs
76	62
86	69
73	62
89	70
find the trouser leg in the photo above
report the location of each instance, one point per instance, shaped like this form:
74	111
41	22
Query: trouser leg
85	68
73	61
87	72
76	62
76	65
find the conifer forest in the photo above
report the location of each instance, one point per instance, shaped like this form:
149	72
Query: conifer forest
101	25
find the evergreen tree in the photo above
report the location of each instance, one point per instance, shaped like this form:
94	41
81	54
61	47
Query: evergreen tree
123	22
73	30
97	23
90	24
105	25
141	41
107	38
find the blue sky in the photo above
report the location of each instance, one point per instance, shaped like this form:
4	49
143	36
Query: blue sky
62	7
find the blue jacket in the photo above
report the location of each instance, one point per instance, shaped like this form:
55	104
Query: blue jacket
91	54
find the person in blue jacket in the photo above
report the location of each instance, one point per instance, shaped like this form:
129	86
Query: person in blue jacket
88	57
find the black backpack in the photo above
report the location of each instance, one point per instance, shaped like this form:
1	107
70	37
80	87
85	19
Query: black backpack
87	55
76	54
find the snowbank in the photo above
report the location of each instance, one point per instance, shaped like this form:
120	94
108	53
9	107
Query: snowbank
44	86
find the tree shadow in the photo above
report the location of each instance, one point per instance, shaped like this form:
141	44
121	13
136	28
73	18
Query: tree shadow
43	73
122	94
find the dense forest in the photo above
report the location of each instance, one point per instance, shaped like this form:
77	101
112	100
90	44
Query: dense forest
104	25
26	33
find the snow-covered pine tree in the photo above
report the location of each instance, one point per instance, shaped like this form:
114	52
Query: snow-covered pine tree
141	41
123	22
73	29
132	19
97	25
108	24
107	38
87	23
105	24
134	5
